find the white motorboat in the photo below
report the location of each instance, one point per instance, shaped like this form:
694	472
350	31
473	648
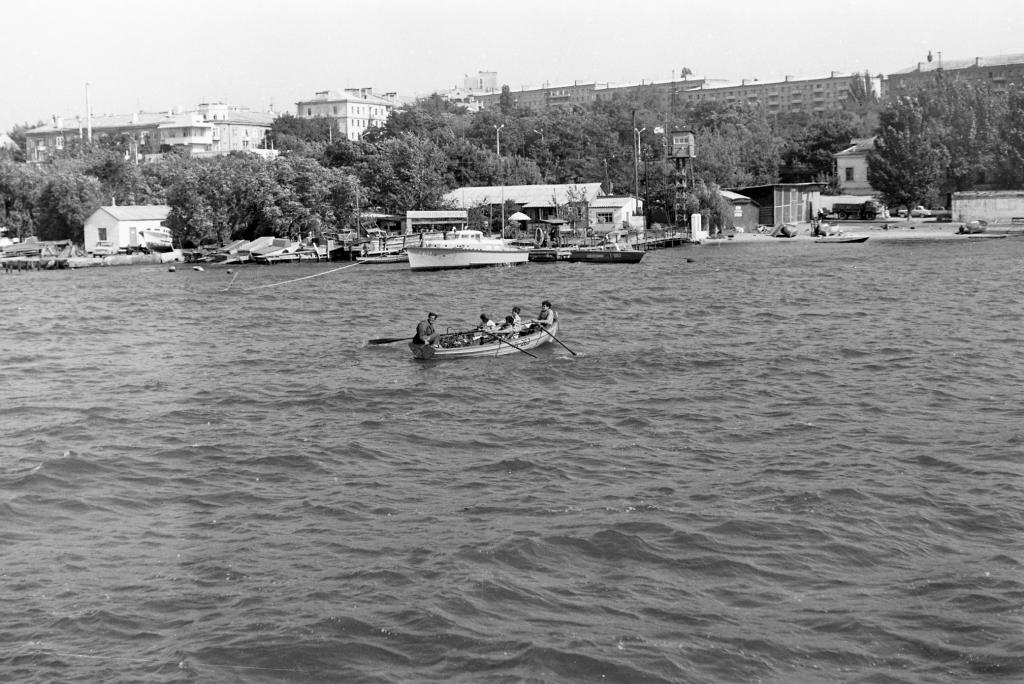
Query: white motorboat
465	248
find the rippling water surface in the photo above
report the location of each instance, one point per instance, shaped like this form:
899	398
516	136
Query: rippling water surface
778	463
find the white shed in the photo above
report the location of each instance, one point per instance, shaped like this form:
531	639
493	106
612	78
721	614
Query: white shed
614	212
123	226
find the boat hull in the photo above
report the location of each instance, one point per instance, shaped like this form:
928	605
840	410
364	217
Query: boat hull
469	347
849	240
597	256
440	258
384	259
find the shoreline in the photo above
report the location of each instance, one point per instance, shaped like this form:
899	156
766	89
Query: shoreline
899	229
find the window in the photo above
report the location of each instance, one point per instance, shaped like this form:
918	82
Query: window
101	234
605	216
849	173
309	111
335	110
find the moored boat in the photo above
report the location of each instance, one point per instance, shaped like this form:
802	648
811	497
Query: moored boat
397	258
477	343
828	239
465	248
608	253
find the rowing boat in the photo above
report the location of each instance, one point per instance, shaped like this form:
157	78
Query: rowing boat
476	343
839	239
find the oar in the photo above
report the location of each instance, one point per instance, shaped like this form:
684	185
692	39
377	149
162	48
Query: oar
508	343
388	340
558	340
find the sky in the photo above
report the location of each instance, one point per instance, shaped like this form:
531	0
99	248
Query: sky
141	55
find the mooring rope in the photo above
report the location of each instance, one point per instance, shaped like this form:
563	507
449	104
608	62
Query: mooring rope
285	282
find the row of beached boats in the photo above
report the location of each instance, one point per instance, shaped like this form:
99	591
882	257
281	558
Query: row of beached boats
263	250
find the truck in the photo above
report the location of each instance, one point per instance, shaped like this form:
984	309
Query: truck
864	211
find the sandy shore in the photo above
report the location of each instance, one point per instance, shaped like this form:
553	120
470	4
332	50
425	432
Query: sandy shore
899	229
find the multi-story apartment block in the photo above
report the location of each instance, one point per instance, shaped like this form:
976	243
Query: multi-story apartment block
588	93
210	129
998	73
788	95
354	111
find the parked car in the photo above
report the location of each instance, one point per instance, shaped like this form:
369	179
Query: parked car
104	248
920	212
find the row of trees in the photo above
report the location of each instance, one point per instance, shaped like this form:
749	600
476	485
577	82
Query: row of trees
950	136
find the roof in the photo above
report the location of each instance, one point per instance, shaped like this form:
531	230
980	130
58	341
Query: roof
524	195
734	197
858	146
326	96
611	201
150	120
773	186
138	212
948	64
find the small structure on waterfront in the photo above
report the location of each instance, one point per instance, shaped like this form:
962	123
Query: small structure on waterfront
123	228
784	202
745	212
998	207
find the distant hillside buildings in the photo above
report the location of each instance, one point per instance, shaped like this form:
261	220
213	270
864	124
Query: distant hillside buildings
213	128
998	73
353	111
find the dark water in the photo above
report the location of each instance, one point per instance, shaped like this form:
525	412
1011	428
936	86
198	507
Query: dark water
785	463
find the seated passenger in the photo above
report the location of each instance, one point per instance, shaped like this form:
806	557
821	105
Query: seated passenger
509	328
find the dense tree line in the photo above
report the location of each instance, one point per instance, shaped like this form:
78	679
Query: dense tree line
949	136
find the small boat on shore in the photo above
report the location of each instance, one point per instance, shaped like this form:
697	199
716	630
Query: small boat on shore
478	343
849	239
608	253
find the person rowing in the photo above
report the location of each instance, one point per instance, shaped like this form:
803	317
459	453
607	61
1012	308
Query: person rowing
425	333
547	316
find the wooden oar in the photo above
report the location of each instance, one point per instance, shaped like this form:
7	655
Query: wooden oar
388	340
508	343
558	340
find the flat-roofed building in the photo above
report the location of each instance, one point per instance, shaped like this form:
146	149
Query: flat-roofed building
999	73
209	129
353	111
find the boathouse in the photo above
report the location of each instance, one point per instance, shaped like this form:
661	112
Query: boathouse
121	226
784	202
745	211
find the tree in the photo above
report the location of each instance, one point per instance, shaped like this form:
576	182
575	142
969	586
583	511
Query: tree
68	198
20	185
403	173
907	162
1009	147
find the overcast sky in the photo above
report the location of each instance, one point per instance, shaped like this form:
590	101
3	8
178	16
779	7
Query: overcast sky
152	56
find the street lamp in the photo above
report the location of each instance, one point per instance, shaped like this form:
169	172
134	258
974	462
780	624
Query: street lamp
636	162
497	138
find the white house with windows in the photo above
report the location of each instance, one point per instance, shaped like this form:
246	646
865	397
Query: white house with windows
123	227
612	212
852	167
354	111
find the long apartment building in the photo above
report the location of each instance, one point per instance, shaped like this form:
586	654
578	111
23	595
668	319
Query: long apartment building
787	95
999	73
